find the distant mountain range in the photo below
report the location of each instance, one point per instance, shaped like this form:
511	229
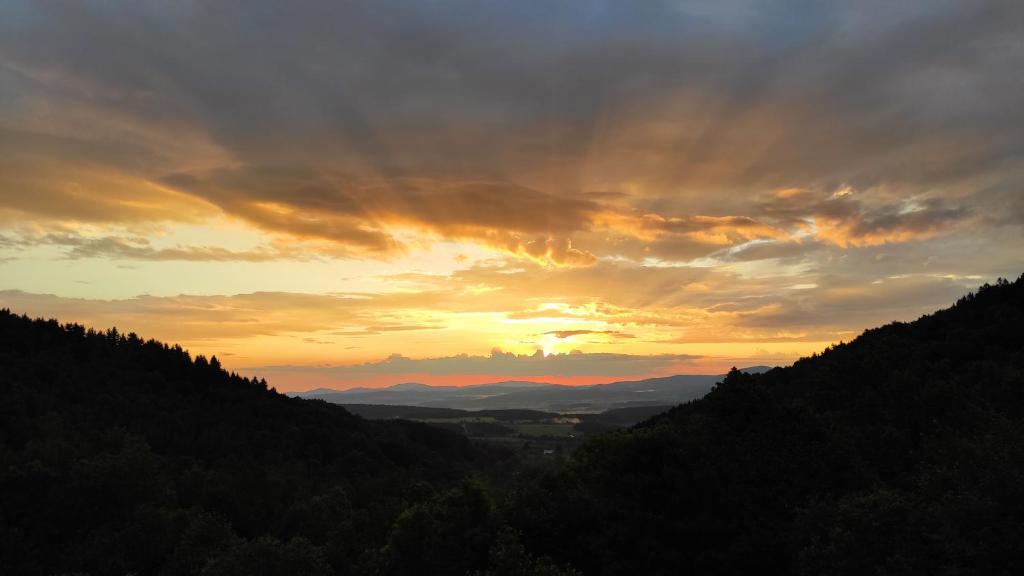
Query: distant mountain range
533	395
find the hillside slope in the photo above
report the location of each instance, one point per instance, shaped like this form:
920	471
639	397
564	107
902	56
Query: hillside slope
901	452
121	456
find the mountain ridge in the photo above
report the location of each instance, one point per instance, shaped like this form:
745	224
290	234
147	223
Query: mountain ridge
122	455
665	390
900	452
505	383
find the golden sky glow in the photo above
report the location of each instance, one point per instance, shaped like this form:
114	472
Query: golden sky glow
337	196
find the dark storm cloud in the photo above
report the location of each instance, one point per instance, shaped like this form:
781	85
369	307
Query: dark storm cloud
497	121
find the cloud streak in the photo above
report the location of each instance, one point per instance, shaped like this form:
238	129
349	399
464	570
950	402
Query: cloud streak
332	183
359	125
506	365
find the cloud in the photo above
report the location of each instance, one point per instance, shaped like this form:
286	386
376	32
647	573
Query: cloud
504	364
622	310
9	242
723	229
562	334
374	329
140	248
851	225
211	318
855	302
364	213
85	178
688	173
847	218
363	126
558	251
768	250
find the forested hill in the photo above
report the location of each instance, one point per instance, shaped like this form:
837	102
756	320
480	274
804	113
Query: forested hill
901	452
119	455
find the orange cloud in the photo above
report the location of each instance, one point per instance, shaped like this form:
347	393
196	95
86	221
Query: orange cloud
867	230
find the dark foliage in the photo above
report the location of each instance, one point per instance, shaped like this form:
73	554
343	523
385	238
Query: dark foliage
899	453
386	411
119	455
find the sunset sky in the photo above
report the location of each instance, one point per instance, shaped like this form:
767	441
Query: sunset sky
365	193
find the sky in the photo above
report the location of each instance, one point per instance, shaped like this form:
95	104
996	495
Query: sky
351	194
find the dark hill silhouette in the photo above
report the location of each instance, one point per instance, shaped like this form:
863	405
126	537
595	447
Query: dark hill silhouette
119	455
901	452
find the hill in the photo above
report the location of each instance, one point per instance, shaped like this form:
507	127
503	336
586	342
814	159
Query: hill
901	452
538	396
119	455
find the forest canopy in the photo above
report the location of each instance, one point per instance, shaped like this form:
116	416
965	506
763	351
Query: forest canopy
900	452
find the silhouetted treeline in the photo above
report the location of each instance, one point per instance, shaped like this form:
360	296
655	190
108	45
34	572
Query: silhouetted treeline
899	453
119	455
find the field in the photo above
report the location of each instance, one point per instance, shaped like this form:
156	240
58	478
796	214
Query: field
532	432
